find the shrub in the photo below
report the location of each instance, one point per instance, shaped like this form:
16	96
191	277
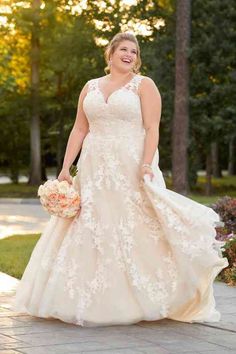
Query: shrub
226	208
229	250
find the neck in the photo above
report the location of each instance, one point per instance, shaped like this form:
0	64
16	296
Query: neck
120	76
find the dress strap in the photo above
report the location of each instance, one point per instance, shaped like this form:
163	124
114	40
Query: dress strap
92	84
135	82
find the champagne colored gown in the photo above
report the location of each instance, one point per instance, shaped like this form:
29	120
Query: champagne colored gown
137	251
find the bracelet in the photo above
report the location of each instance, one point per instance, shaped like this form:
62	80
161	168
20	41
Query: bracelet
146	165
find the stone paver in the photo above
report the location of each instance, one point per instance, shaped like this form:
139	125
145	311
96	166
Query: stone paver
20	333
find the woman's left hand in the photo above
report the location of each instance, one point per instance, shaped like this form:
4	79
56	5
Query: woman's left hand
146	171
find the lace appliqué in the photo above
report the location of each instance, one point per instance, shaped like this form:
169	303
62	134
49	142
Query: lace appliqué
174	222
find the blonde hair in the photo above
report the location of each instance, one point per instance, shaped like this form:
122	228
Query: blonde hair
114	43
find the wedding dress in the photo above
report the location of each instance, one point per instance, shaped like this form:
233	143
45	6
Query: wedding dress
137	251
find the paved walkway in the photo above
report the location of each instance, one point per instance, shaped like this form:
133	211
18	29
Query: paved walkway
32	335
21	216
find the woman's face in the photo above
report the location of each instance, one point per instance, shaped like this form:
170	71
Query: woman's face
125	56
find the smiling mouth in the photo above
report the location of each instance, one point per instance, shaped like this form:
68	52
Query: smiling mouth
127	61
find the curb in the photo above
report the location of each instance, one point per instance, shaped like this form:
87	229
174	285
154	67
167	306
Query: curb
32	201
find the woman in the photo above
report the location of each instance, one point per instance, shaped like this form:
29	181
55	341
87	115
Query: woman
137	251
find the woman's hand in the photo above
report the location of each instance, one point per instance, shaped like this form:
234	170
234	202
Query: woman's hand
65	176
147	170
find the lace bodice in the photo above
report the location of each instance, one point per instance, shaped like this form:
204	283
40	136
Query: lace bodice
120	115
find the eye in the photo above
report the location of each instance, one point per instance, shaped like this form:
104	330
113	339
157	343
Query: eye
123	48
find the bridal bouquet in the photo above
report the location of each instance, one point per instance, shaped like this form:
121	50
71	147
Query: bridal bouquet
59	198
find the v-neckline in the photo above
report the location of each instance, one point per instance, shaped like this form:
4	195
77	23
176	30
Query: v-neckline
106	101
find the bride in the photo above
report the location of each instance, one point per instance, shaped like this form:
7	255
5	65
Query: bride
137	251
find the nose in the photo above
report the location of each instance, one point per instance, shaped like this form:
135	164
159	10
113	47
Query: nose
130	55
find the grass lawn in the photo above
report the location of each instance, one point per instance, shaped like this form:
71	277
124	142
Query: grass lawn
204	199
20	190
221	187
15	252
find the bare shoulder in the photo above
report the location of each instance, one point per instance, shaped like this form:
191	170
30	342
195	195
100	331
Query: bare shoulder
148	86
148	82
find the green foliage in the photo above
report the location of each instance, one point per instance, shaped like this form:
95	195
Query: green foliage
226	208
14	142
221	186
15	252
71	53
228	274
14	101
159	63
212	58
73	170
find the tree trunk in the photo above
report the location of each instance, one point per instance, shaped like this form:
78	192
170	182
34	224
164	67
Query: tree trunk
14	160
208	189
232	159
60	144
43	170
216	170
35	146
181	104
60	116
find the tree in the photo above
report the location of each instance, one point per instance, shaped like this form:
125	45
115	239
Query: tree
213	113
14	100
35	145
181	110
232	154
159	63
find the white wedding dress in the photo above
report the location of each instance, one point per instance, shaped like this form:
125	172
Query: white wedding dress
137	251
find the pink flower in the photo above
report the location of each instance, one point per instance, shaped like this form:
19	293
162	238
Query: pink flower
59	198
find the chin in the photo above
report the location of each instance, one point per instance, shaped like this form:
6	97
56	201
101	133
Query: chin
125	69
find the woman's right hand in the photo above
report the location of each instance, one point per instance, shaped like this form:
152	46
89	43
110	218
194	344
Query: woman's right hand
64	175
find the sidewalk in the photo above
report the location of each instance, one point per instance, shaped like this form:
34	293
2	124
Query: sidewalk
31	335
21	216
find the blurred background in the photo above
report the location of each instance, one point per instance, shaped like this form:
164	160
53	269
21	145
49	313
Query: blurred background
50	49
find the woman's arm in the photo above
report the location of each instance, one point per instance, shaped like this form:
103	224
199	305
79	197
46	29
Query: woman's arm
151	113
77	135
